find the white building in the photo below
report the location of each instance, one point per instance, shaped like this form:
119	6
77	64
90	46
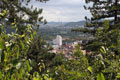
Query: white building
58	40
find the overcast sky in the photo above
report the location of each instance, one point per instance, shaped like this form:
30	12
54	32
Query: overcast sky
63	10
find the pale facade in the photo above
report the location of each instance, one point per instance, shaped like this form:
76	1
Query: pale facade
59	40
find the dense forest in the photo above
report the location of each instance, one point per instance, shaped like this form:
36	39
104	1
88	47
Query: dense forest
24	55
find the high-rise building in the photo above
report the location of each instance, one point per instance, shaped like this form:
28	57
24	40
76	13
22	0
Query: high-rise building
59	40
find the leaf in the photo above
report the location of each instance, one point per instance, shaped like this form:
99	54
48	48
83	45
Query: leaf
0	75
34	33
45	77
0	55
7	68
1	43
13	27
100	76
18	66
22	45
45	21
78	74
71	72
22	35
5	56
50	78
28	65
31	36
72	78
103	50
18	52
13	23
118	75
90	69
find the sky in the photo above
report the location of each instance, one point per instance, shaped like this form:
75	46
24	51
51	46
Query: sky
63	10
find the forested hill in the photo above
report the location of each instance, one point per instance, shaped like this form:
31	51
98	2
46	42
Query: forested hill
79	23
64	24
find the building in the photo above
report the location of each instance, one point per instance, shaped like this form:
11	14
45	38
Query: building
58	41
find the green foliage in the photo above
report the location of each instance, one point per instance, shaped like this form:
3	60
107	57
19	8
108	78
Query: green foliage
25	56
104	65
100	76
15	63
14	45
101	25
72	69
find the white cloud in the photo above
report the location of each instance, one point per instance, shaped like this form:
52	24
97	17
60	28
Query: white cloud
64	10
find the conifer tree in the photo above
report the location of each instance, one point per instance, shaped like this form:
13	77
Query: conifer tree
14	47
104	24
19	13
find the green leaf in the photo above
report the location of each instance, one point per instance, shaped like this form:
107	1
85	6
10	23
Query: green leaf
118	76
18	52
5	56
100	76
72	78
34	33
31	36
90	69
1	43
22	45
22	35
50	78
0	75
78	74
13	23
28	65
71	72
45	77
13	27
103	50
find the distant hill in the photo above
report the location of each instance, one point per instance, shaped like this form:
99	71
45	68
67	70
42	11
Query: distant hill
75	24
64	24
54	24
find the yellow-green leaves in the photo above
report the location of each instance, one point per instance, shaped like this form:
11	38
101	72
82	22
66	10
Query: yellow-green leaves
3	13
118	76
22	45
90	69
28	65
100	76
0	75
103	50
18	52
1	43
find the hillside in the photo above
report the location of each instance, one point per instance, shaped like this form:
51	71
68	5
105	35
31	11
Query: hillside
64	24
75	24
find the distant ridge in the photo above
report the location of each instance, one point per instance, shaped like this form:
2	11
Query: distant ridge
75	24
65	24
